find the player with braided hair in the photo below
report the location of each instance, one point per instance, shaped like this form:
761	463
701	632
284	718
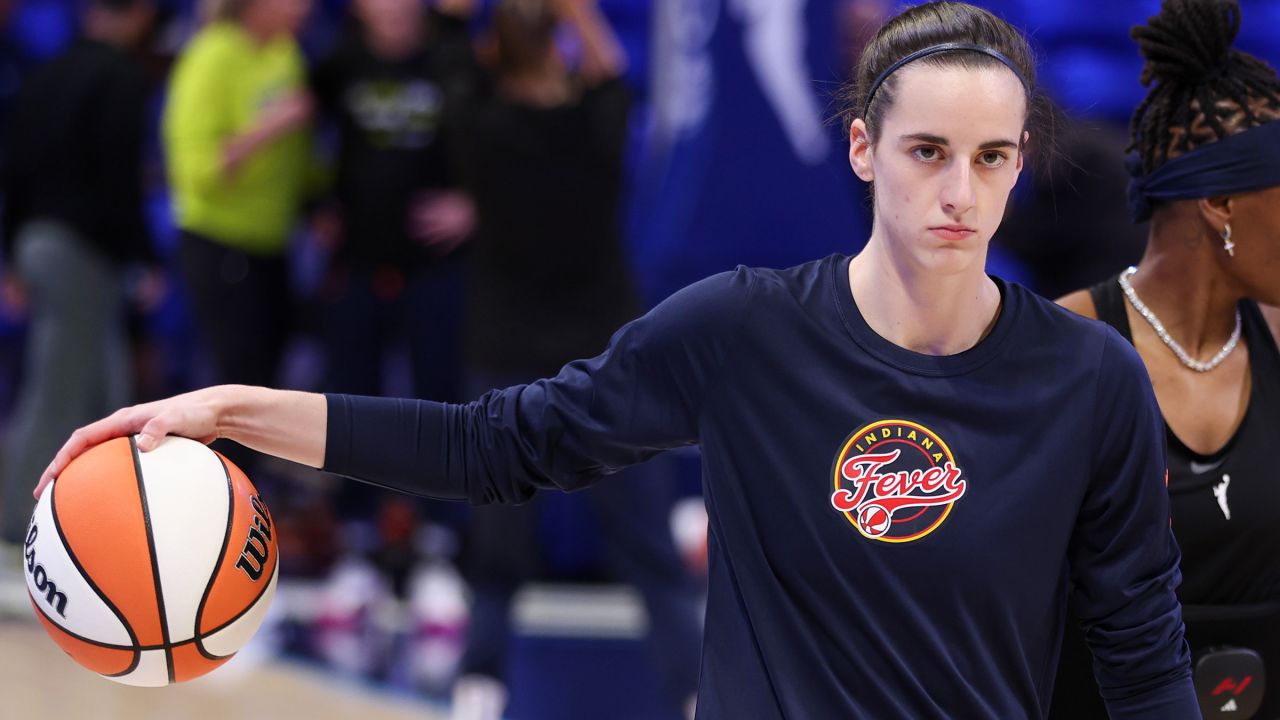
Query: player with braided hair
1206	173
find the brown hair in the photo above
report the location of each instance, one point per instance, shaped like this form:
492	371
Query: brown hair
932	24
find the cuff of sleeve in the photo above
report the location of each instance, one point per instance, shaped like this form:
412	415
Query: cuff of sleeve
337	441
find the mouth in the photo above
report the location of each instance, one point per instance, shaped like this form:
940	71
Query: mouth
953	232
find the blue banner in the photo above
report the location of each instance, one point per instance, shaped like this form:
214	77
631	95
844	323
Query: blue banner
741	164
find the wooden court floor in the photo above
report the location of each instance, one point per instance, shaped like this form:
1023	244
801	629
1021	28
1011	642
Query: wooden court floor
37	680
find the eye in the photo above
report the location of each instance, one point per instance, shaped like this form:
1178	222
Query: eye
926	153
992	159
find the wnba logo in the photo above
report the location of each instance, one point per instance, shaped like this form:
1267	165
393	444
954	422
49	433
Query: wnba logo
896	481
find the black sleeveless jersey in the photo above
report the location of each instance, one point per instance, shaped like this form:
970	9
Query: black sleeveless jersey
1226	517
1226	506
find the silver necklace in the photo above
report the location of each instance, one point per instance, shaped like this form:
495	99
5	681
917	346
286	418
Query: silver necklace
1164	336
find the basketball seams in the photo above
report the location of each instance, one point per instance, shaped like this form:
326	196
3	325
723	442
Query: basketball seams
155	562
213	576
152	672
71	555
250	606
137	651
109	646
191	664
91	641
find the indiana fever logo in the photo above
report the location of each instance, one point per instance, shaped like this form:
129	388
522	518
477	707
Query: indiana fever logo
896	481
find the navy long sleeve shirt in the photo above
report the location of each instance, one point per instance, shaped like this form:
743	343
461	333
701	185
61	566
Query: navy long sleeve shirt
892	534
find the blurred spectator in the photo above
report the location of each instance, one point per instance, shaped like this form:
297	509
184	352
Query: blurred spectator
239	160
73	219
399	218
549	285
395	224
550	281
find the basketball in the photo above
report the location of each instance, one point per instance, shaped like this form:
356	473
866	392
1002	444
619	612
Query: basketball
874	520
150	568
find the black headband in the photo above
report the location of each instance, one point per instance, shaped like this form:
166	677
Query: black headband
1239	163
934	50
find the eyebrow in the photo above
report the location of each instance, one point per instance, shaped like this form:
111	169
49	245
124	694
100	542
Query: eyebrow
939	140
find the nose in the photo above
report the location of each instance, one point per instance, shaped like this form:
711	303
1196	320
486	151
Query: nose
958	195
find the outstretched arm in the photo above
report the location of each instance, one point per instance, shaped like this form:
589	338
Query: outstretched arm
644	394
283	116
284	423
602	54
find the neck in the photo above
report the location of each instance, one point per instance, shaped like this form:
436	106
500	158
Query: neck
921	309
1181	281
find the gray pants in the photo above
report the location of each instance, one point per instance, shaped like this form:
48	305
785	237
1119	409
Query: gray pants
76	367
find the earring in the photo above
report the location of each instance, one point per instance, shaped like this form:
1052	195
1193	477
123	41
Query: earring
1227	245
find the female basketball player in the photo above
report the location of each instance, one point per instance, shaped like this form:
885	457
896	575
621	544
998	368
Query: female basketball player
1208	177
903	456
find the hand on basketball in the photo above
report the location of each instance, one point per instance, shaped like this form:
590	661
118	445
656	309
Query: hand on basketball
194	415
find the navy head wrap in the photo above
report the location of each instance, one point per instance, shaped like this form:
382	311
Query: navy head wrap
1239	163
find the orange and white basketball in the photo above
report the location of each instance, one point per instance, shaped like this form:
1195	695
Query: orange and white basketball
151	568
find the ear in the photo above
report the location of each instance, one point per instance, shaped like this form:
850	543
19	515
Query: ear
1215	211
860	151
1022	150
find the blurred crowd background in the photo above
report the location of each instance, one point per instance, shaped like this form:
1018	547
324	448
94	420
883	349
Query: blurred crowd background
433	197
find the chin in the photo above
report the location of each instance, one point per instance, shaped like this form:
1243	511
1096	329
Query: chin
952	257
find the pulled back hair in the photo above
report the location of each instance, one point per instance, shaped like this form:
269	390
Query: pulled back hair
1202	89
525	31
931	24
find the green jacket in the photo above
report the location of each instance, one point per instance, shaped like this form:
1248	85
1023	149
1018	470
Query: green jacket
219	88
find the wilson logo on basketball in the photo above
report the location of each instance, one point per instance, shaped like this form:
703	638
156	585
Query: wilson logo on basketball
40	577
254	556
896	481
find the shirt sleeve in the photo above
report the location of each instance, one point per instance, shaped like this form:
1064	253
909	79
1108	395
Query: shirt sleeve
1123	557
643	395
